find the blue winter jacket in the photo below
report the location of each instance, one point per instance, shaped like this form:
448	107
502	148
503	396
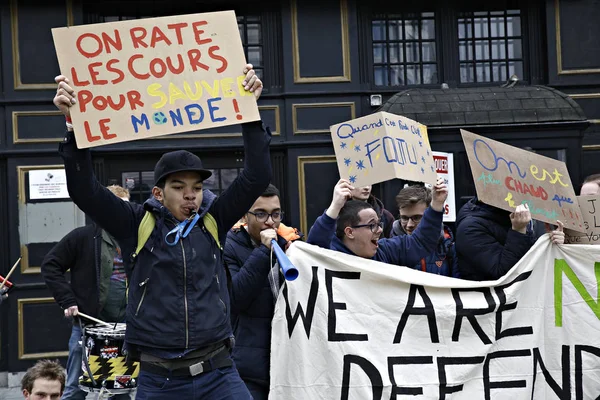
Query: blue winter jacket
252	304
404	250
178	296
443	260
486	244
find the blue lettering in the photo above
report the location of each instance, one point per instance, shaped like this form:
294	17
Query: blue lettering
191	114
395	159
561	199
509	164
345	126
369	150
176	117
143	120
212	109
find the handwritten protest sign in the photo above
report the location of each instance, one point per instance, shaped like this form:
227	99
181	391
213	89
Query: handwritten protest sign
506	176
590	210
142	78
350	328
444	165
383	146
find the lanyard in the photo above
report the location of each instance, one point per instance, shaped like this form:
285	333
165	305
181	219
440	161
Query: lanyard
178	231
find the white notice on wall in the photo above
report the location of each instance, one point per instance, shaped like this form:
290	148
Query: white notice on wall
48	184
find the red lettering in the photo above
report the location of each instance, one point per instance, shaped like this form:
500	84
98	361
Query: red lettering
88	133
76	81
177	28
519	187
507	182
93	73
109	68
133	96
138	40
198	32
179	68
163	68
543	194
83	98
85	53
100	103
194	57
116	106
441	164
104	129
158	36
132	71
211	54
116	42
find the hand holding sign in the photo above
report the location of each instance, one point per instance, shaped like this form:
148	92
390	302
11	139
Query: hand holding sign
520	218
251	82
341	193
439	195
65	96
557	236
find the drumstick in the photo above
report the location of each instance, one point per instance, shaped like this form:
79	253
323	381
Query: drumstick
10	273
94	319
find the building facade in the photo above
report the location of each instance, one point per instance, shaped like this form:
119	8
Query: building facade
322	63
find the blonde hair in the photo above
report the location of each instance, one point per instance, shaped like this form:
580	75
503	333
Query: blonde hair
119	191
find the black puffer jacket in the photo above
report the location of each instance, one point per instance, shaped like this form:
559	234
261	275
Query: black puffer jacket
487	247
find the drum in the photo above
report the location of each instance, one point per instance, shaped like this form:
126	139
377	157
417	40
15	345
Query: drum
105	359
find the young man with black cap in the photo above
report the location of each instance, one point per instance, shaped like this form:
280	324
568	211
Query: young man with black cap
178	314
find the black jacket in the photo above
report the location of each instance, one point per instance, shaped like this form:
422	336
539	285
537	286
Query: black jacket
78	251
178	297
486	245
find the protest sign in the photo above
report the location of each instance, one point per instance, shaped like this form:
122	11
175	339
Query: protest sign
590	211
142	78
444	167
506	176
352	328
380	147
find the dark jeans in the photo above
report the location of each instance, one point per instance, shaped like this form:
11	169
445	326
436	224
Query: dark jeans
219	384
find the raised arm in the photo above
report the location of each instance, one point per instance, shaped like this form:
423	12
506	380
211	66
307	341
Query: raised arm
116	216
322	232
237	199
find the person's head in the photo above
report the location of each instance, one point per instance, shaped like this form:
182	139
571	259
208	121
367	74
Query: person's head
119	191
361	193
591	186
178	178
359	228
265	213
412	202
45	380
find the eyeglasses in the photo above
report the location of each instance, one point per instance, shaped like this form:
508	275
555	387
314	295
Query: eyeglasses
374	226
262	216
415	218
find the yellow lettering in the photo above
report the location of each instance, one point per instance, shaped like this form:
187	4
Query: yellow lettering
557	176
212	90
154	90
226	87
241	89
510	201
546	175
189	93
175	93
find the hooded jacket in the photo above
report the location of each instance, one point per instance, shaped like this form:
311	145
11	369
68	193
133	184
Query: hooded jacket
404	250
252	304
178	297
443	260
486	245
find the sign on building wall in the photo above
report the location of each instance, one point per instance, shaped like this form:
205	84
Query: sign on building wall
506	176
351	328
383	146
48	184
143	78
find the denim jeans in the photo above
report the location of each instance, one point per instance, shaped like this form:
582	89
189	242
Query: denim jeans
219	384
72	391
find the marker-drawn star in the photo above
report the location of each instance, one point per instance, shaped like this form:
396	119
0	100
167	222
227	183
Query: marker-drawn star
422	170
352	178
432	169
423	159
420	144
427	153
343	145
347	161
357	148
360	165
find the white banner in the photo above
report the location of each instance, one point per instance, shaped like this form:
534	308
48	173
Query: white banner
350	328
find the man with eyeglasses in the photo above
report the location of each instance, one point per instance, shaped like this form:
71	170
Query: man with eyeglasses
412	202
255	286
354	227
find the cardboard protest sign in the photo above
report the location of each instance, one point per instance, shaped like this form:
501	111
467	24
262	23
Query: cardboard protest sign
142	78
380	147
506	176
590	211
353	328
444	167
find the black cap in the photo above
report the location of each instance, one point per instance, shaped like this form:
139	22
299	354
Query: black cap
179	161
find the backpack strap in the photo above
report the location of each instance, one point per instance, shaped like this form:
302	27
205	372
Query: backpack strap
210	223
144	231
